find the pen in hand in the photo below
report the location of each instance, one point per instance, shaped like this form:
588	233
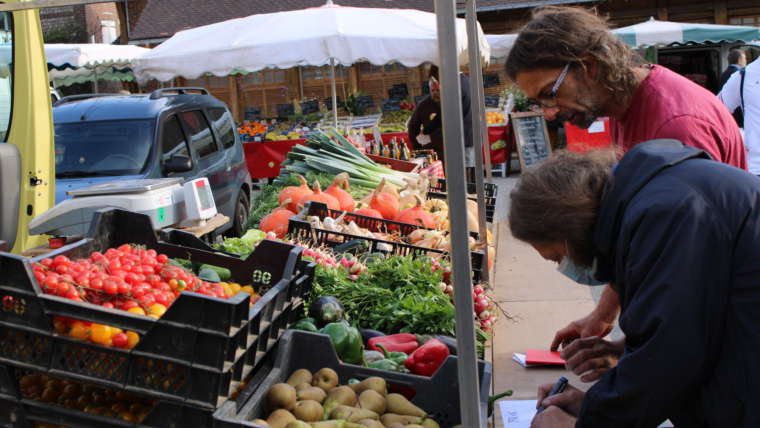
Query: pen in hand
556	389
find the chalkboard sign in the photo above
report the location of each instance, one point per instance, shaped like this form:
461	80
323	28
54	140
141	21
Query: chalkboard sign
398	92
328	102
308	107
490	80
252	113
532	138
391	105
285	110
492	101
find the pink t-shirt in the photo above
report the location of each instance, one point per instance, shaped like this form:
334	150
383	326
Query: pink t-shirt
668	105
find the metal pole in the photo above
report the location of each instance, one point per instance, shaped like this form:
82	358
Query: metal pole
479	138
451	109
334	93
484	127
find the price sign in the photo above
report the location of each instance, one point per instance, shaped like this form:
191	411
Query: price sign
532	138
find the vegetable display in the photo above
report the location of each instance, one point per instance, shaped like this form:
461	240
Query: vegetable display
316	400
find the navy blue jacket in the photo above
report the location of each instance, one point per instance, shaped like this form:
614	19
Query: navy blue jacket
679	237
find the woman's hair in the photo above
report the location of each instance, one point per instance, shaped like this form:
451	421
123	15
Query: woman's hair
559	201
556	36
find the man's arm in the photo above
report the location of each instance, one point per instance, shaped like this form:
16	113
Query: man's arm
598	323
729	94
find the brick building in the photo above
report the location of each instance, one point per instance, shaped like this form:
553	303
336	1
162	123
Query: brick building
93	23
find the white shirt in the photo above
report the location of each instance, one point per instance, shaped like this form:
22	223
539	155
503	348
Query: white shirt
731	98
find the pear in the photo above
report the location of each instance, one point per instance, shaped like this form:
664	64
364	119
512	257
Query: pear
281	396
390	418
399	405
341	395
370	423
299	376
326	379
374	383
298	424
414	426
372	400
352	414
308	411
335	424
280	418
311	393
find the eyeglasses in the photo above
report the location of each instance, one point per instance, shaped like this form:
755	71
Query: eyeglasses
550	100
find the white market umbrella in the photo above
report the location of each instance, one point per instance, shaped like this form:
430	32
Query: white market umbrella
653	32
77	63
500	44
330	34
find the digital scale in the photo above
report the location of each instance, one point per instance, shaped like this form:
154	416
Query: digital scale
167	201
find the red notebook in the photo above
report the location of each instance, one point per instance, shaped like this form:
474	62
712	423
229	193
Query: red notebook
537	357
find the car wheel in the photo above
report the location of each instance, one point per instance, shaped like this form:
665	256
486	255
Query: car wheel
242	211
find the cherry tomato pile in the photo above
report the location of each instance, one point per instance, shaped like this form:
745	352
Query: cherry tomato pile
96	333
128	277
87	398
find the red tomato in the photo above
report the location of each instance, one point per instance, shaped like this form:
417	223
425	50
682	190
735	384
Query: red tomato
61	268
46	262
125	248
110	287
72	293
107	305
39	276
124	288
62	288
129	304
61	260
121	274
119	340
162	258
151	253
147	300
96	284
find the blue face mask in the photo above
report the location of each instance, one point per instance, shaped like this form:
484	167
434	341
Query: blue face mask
581	275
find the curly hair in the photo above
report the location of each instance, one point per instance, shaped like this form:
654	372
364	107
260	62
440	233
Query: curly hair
559	200
556	36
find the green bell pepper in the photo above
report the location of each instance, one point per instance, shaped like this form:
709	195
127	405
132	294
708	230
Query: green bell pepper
396	357
384	365
347	341
306	324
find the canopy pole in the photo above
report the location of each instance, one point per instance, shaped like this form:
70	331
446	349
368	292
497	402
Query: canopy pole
479	137
451	109
334	93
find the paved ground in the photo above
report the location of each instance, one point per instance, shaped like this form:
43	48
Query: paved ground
539	299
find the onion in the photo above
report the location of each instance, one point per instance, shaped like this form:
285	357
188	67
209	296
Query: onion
319	196
338	189
294	193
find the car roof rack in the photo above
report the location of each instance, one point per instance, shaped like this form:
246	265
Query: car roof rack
80	97
158	93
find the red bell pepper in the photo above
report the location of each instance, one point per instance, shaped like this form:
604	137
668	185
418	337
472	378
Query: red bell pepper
427	358
402	342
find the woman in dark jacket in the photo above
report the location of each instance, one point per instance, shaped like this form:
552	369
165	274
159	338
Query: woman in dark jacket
678	236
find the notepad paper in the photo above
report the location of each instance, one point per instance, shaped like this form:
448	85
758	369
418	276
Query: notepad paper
535	358
520	413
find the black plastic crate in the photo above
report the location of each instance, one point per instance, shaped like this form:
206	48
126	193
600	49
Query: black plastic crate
198	352
437	189
299	228
19	411
438	395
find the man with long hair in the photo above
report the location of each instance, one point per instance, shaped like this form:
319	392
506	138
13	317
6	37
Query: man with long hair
566	60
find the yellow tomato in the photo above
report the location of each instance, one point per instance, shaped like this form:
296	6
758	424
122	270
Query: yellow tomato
101	334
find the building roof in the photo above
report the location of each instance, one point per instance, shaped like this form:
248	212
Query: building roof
152	21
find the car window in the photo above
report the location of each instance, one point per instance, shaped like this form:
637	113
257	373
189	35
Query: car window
173	140
109	147
201	137
224	125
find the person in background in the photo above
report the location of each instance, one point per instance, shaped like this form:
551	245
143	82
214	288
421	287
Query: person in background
679	237
737	60
742	93
425	126
567	60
